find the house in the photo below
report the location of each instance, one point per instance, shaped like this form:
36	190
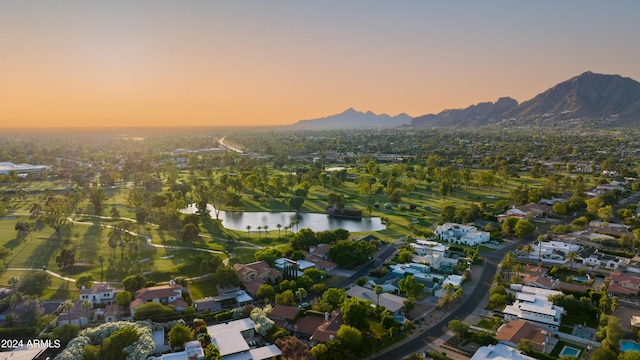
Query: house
165	294
192	351
499	352
256	274
233	340
461	234
227	299
539	281
328	330
533	305
284	315
299	266
393	303
78	314
319	255
100	293
623	285
427	247
594	258
514	331
306	326
535	210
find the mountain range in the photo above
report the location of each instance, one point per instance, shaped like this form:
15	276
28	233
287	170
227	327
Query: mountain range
353	119
589	98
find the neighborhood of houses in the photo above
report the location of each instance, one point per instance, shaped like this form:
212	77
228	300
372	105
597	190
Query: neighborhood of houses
530	316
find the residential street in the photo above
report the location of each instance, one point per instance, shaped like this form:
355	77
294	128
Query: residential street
424	339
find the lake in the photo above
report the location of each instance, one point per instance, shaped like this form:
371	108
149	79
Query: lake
238	220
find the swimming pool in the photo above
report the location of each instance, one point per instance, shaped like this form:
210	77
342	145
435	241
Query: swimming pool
626	345
399	319
569	351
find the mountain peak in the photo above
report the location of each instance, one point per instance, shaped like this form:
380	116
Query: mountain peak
353	119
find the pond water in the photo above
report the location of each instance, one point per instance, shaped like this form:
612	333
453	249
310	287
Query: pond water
238	220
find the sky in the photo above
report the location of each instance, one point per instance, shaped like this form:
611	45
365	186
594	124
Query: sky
248	63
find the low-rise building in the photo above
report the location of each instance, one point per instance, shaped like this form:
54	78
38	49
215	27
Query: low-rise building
165	294
393	303
461	234
235	340
499	352
514	331
624	285
533	305
100	293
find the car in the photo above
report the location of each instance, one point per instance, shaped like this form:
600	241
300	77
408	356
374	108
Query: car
304	305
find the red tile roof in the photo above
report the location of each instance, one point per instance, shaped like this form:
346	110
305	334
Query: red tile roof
516	330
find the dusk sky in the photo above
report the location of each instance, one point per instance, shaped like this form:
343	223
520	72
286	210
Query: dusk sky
225	63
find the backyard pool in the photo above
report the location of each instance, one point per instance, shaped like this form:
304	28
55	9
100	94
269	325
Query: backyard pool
626	345
569	351
399	319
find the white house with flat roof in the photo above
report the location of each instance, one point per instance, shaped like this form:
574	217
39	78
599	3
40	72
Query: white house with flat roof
499	352
461	234
233	341
532	304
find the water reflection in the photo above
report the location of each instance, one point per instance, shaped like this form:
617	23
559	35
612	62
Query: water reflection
239	220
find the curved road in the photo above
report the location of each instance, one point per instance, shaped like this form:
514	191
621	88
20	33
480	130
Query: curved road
418	342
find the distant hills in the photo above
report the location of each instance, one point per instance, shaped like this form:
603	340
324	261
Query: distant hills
589	98
352	119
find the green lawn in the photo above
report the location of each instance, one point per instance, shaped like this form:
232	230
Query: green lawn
203	288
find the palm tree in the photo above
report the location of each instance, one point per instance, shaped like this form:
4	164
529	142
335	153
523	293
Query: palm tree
259	234
528	249
507	263
571	256
101	260
67	306
14	281
378	290
279	226
249	231
266	229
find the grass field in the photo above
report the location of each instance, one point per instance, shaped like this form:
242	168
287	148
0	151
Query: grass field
89	240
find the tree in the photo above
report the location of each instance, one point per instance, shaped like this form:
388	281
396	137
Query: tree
296	203
13	282
225	276
265	291
354	313
179	335
190	232
85	282
211	352
101	261
156	312
571	256
55	213
334	297
4	254
605	213
523	227
66	259
410	286
269	255
301	293
113	346
378	290
508	262
133	283
123	299
350	337
525	346
35	282
444	188
293	349
459	328
285	298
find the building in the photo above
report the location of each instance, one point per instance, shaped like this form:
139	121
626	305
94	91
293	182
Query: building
461	234
283	315
192	351
100	293
256	274
235	340
514	331
328	330
165	294
623	285
77	314
393	303
319	255
9	167
499	352
595	258
227	299
533	305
